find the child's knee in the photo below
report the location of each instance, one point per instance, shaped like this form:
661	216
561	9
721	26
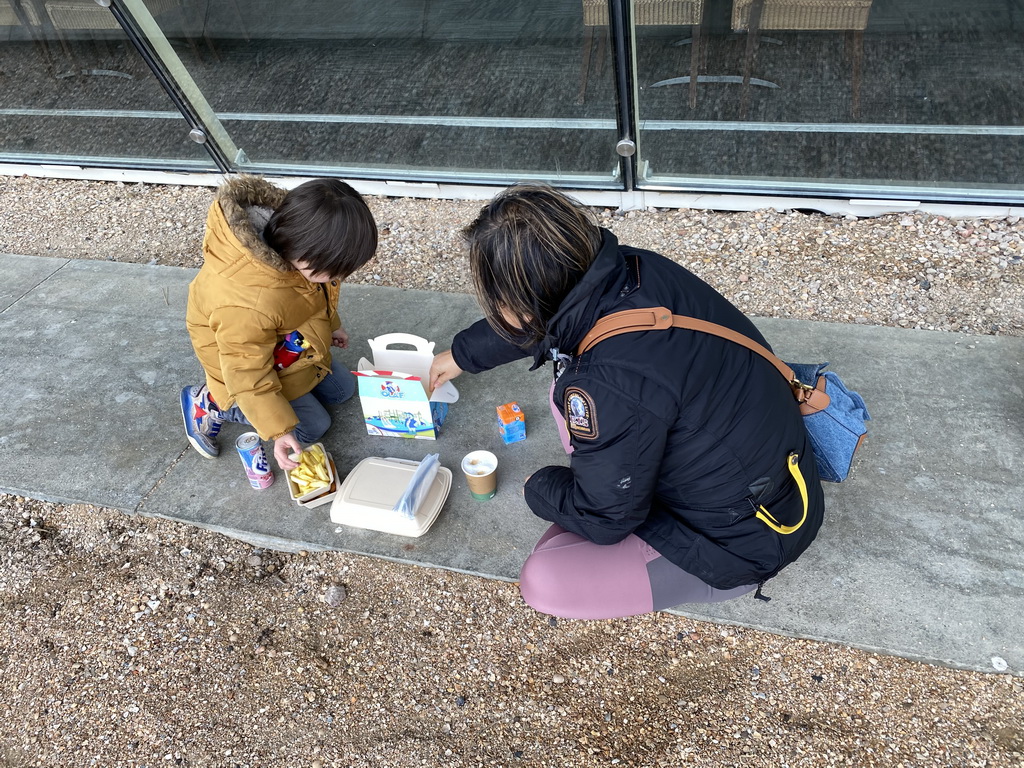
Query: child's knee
342	385
347	385
312	429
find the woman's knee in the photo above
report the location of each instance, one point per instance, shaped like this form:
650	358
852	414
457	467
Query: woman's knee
570	577
540	586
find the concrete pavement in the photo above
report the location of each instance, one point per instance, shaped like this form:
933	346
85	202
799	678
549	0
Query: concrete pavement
921	555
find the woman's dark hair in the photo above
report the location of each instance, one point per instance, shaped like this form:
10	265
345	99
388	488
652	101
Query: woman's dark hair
528	248
325	225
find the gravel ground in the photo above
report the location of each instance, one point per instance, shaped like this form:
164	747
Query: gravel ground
127	641
912	271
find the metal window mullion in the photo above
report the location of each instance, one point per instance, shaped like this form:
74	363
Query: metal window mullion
620	14
179	86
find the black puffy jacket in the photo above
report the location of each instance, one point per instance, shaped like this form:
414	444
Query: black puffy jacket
678	435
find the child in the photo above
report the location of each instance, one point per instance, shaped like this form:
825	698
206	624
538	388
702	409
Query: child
273	264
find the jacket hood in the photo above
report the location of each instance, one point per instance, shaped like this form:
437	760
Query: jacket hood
579	311
232	241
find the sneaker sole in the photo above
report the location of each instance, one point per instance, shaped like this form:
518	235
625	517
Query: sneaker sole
186	421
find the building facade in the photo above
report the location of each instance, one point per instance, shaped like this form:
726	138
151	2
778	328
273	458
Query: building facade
917	100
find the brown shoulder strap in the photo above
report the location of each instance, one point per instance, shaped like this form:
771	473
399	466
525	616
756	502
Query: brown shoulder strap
660	318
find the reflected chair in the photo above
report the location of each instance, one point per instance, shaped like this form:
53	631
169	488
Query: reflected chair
17	13
645	13
88	16
13	13
850	16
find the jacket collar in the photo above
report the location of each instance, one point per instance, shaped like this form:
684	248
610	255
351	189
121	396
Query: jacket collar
591	298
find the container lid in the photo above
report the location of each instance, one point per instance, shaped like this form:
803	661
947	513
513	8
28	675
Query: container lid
369	493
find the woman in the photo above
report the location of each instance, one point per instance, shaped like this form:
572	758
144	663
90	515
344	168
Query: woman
691	477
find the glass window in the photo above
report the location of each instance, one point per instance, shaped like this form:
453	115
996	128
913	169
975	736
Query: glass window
74	90
912	97
411	89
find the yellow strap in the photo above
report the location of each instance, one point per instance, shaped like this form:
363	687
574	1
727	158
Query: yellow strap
793	462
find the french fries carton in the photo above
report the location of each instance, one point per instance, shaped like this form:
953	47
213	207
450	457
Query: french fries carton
394	388
315	481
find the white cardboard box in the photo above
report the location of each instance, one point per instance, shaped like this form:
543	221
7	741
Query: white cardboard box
393	388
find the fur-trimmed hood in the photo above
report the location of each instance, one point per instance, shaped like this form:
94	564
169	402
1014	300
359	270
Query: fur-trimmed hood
231	236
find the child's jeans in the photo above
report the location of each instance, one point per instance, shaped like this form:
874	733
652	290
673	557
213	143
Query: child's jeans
314	419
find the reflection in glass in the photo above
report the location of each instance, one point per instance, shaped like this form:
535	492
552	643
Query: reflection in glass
409	89
920	97
74	90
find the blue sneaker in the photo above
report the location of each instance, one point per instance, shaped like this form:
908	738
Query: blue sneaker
202	422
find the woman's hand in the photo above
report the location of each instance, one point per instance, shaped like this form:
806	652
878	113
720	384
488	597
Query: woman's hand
442	369
340	338
284	447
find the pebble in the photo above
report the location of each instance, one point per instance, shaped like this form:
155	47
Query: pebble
335	595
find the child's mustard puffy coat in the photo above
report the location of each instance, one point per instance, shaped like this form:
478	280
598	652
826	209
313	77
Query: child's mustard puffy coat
247	298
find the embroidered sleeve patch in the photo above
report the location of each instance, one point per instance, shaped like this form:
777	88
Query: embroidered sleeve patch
580	414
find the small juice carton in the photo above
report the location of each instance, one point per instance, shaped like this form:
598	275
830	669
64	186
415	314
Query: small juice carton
511	422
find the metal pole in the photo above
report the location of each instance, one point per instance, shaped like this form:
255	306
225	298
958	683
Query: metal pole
620	14
151	43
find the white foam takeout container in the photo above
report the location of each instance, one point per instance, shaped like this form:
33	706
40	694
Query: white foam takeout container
319	496
369	493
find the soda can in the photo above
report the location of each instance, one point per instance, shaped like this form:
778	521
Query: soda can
254	459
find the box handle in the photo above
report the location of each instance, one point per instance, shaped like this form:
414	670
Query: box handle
383	342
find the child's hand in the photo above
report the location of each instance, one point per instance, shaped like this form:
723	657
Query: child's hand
340	338
284	446
442	369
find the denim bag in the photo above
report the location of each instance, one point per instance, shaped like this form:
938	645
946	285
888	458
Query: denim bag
837	430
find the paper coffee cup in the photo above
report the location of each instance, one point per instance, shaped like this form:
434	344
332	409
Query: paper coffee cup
480	469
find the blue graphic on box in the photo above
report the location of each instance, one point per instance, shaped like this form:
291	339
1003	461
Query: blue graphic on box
511	422
396	405
406	423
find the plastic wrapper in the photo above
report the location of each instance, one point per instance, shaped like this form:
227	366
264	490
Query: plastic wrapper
419	486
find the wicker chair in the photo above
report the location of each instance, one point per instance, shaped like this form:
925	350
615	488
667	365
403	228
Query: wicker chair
87	15
20	13
17	14
850	16
645	13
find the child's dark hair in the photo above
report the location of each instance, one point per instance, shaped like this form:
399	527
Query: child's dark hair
326	225
528	248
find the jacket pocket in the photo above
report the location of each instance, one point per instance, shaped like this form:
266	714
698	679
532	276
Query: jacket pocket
723	518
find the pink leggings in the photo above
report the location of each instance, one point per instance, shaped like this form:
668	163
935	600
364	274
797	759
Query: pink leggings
571	577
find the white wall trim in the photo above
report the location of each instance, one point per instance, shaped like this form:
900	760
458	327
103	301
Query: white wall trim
627	201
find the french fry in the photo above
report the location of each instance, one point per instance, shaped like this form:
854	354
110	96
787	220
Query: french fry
312	473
